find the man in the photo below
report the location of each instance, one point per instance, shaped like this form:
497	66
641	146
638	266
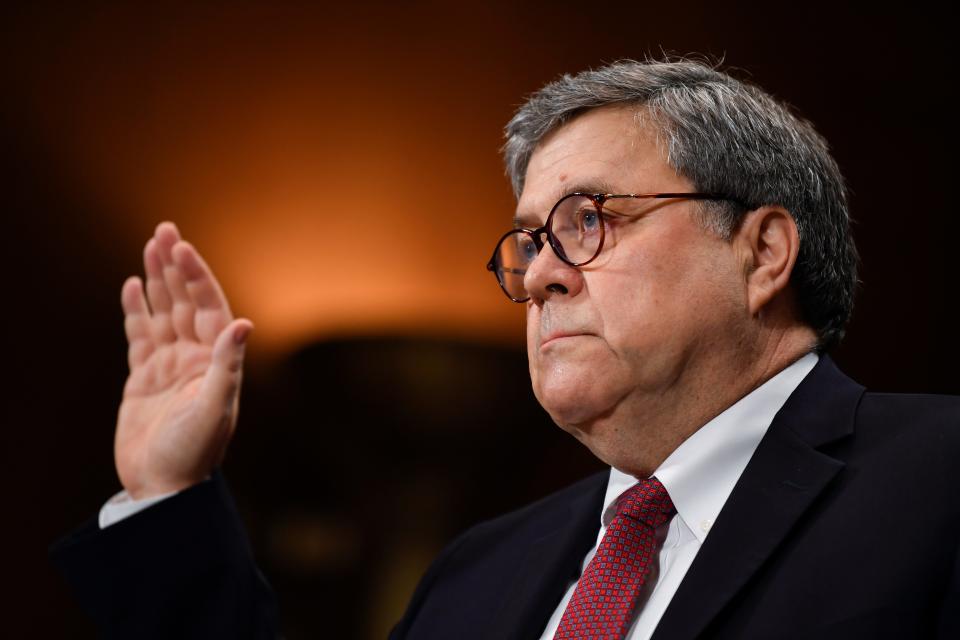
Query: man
682	247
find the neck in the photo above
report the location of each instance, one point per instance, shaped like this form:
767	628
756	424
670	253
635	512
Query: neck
650	427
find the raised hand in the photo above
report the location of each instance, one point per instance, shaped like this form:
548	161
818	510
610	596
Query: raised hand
179	407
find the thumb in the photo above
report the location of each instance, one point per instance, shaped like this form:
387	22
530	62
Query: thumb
223	377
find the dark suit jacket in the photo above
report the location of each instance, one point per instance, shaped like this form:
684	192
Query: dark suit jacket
845	524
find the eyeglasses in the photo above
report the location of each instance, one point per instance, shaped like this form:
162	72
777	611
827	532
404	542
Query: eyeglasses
575	230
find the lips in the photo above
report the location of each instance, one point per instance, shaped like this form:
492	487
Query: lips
556	324
558	335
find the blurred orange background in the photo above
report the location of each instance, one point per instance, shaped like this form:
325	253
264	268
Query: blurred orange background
341	174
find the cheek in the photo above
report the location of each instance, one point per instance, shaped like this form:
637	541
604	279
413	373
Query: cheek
668	304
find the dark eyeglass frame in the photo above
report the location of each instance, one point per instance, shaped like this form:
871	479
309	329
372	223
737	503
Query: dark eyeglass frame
598	200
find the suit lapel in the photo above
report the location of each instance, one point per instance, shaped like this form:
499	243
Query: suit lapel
553	561
782	480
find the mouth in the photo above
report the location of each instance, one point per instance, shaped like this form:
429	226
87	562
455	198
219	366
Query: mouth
556	337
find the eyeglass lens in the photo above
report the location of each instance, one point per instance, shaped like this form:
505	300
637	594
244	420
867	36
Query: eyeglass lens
576	229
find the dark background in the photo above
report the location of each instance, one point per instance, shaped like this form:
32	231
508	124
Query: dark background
326	160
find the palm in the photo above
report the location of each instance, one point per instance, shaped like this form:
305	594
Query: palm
180	401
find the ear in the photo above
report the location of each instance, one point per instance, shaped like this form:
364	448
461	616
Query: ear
769	242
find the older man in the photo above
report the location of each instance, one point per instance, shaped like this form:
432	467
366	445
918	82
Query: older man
681	244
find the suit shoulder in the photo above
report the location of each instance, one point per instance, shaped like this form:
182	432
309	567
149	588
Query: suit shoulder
577	506
938	412
475	568
916	431
589	491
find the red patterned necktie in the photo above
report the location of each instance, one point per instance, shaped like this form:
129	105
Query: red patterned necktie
603	603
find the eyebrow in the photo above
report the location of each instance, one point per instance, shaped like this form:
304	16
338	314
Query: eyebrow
529	221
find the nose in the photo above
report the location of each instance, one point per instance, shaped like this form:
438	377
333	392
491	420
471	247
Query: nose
549	276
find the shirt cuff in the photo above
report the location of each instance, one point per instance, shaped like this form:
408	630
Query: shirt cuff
122	506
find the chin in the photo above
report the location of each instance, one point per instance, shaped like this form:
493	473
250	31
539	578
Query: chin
577	388
574	405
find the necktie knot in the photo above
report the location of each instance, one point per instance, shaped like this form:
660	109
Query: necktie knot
647	501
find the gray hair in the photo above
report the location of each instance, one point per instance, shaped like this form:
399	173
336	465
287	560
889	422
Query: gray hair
725	136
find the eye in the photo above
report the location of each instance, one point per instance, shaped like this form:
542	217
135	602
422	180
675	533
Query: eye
526	248
589	221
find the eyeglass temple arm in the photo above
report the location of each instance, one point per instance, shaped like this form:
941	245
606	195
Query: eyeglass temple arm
492	266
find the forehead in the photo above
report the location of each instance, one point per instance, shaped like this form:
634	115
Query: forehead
610	149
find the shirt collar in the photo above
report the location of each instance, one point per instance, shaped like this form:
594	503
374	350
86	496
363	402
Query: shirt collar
700	474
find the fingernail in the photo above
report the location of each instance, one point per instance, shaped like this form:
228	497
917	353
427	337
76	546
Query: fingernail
240	333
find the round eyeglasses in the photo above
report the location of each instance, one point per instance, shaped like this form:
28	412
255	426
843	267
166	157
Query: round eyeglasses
575	230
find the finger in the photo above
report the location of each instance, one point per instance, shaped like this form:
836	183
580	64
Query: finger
136	321
221	383
212	309
183	309
201	283
161	306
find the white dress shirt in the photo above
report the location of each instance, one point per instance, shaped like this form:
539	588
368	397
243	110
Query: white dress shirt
122	506
699	476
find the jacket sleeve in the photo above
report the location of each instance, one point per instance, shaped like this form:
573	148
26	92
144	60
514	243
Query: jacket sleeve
182	568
